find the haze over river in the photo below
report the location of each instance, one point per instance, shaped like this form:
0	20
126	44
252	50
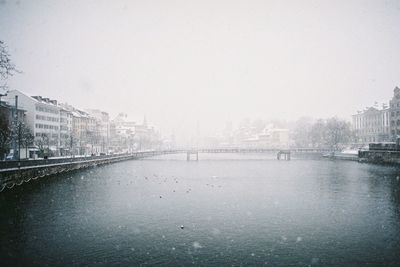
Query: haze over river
222	210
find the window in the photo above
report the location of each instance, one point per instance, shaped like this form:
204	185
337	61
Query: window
45	109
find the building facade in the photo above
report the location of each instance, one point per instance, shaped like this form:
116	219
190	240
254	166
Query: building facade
372	124
9	119
60	129
65	132
102	128
122	132
268	138
42	117
84	138
395	115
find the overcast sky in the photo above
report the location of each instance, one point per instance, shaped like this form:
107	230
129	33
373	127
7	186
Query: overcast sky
183	63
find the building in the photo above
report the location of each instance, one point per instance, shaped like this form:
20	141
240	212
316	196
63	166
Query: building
279	138
270	137
146	137
8	130
85	137
395	114
7	112
122	132
102	120
127	135
66	120
60	129
42	117
372	124
378	123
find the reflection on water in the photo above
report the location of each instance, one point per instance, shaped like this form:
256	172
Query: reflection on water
234	209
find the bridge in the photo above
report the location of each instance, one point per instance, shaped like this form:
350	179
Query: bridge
280	153
15	164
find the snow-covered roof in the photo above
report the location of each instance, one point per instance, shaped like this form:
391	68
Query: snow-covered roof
46	100
279	130
374	108
37	99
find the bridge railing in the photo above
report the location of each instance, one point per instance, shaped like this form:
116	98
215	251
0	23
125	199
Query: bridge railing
250	150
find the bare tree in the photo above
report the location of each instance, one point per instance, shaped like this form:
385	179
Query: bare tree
7	68
5	135
338	133
25	136
333	132
91	139
43	143
318	133
301	132
72	142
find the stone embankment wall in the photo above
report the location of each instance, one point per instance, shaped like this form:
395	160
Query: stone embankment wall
380	157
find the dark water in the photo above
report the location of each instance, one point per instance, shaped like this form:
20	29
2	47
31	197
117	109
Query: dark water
235	210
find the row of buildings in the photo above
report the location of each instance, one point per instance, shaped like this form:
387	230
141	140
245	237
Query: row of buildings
60	129
248	135
379	123
269	137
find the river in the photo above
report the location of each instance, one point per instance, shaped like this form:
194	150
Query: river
228	209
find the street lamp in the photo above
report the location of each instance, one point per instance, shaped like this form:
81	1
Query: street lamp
15	128
20	125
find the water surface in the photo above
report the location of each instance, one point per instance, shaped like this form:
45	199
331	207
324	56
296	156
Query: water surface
234	210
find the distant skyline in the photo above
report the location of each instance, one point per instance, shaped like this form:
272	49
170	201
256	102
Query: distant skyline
188	63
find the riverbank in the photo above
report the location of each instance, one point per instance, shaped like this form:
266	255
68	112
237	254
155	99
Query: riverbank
380	157
344	155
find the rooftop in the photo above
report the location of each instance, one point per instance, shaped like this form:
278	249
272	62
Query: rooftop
375	107
45	100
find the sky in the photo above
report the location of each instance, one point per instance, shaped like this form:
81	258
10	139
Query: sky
189	65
